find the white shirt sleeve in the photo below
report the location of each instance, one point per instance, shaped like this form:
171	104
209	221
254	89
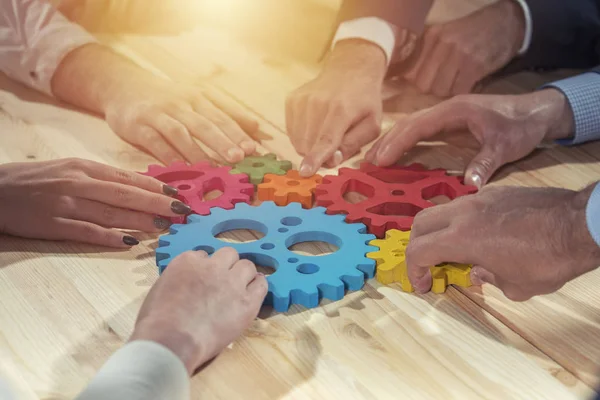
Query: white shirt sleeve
528	27
34	39
140	370
371	29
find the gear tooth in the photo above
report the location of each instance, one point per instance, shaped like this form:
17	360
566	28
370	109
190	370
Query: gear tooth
294	206
192	218
354	280
153	169
308	299
367	267
371	249
333	289
173	229
285	165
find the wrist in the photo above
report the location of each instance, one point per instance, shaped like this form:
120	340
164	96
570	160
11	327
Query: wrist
181	343
357	56
552	112
585	252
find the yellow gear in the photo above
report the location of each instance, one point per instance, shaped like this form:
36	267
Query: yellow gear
391	265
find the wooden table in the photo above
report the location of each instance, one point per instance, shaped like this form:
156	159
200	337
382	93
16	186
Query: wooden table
65	307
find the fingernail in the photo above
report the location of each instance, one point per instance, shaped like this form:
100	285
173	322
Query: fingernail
170	190
260	274
130	240
474	179
248	146
337	158
162	223
235	155
179	208
305	170
380	153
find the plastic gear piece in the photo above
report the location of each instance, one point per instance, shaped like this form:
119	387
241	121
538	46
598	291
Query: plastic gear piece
394	194
298	279
256	167
194	181
289	188
391	265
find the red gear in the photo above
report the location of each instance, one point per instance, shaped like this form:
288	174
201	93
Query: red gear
394	194
194	181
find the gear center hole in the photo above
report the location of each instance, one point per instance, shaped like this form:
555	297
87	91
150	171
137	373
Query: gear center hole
184	187
258	165
313	244
293	183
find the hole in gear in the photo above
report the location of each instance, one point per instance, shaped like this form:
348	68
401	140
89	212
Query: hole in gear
239	231
258	165
313	243
169	177
209	250
355	191
293	183
439	193
397	176
291	221
397	209
184	187
267	246
265	264
307	269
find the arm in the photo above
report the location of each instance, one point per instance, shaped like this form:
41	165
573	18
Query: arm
564	35
140	370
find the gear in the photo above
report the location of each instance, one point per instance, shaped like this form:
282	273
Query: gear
256	167
298	279
394	195
194	181
391	265
289	188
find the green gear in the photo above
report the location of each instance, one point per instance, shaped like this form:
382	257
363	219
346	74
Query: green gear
256	167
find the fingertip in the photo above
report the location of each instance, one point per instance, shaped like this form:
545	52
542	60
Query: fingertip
474	179
248	146
228	255
337	158
306	170
130	241
235	155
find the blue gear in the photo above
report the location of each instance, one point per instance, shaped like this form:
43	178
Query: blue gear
297	279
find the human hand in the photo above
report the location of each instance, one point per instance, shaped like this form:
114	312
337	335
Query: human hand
507	127
525	241
80	200
201	304
333	116
458	54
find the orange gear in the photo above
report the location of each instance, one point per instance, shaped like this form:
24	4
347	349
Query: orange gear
391	265
289	188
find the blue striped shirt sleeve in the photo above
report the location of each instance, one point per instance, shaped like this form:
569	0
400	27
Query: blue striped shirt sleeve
583	94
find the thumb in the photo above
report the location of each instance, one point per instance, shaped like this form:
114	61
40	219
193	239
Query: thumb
482	166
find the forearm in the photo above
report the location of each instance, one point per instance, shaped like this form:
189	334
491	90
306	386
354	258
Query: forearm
91	76
140	370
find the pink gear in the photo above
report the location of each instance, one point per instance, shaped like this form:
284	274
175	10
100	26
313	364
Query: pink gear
394	194
194	181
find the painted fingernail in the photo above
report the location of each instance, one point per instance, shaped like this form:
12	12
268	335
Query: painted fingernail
179	208
170	190
337	158
161	223
305	170
130	241
235	155
248	146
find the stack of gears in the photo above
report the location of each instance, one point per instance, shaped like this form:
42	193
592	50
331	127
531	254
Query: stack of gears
288	215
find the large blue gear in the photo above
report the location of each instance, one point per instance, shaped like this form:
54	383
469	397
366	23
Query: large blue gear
297	279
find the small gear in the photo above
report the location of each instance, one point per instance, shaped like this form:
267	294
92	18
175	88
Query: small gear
391	265
289	188
298	279
194	181
394	195
256	167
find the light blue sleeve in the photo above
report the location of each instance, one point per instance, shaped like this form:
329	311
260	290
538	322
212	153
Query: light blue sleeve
592	214
583	94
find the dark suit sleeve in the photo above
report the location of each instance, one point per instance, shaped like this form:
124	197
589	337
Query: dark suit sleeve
565	34
407	14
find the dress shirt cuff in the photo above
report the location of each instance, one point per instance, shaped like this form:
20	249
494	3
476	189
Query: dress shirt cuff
140	370
592	214
371	29
583	94
528	27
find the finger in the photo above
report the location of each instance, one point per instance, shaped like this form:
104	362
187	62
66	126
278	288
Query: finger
483	165
245	271
480	275
244	119
361	134
107	173
432	220
115	217
404	136
153	142
209	134
128	197
434	62
226	124
257	291
178	136
225	257
433	249
468	76
446	74
87	232
330	136
430	39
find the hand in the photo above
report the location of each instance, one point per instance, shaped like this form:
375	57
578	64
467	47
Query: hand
81	200
456	55
333	116
525	241
200	305
162	117
507	127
